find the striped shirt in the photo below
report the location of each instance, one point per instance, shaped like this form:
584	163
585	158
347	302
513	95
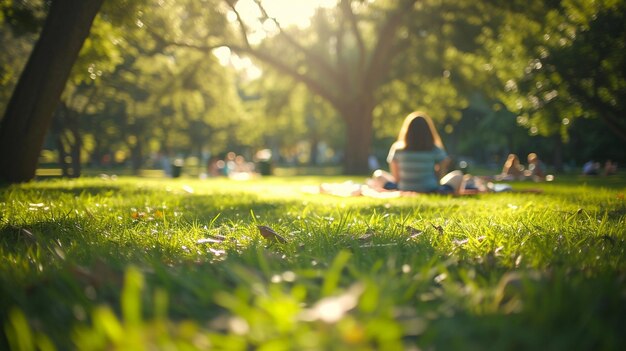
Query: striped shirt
417	168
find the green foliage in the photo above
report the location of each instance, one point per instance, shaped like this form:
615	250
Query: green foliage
439	66
20	21
23	17
132	263
146	78
559	64
137	95
286	115
20	335
101	53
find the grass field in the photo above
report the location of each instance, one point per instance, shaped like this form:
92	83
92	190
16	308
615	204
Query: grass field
132	264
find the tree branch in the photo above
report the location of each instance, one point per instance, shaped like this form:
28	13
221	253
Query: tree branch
340	59
242	25
608	118
311	56
314	85
275	62
379	63
347	11
592	99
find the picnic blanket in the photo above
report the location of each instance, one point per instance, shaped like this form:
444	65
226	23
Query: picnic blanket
351	189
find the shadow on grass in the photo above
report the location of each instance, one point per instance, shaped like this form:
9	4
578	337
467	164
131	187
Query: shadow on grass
70	266
69	272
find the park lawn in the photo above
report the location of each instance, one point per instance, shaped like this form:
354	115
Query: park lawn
131	263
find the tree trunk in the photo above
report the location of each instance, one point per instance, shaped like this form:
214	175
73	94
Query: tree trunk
95	158
65	168
359	134
558	154
314	152
136	157
75	142
75	149
65	126
29	112
57	129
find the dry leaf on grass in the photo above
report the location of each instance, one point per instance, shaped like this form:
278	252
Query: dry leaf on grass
209	241
439	228
413	232
270	235
366	237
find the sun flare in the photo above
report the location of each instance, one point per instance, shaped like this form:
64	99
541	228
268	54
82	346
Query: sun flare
286	13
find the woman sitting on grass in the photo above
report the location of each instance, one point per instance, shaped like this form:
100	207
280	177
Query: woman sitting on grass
418	158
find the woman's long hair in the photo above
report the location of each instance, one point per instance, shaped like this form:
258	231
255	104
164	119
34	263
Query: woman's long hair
418	133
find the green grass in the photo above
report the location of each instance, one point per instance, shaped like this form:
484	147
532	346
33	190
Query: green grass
122	264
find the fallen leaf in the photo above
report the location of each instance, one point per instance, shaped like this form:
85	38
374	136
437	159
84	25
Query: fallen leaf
220	237
496	252
377	245
270	235
138	215
439	228
460	242
209	241
28	235
366	237
217	252
413	232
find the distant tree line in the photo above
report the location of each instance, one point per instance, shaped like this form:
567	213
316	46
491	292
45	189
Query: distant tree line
147	77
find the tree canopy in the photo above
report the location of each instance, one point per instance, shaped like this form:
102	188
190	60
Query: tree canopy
159	77
563	61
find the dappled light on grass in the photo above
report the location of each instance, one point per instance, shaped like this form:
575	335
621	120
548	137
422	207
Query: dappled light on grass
91	266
